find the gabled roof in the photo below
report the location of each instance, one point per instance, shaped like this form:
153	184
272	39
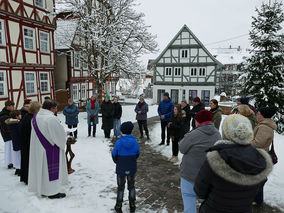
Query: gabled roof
185	28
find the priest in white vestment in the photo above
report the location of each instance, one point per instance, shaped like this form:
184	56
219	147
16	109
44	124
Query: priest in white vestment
43	178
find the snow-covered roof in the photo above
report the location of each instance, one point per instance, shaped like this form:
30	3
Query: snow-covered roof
64	33
230	55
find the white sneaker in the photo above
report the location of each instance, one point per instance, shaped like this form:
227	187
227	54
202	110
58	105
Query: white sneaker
174	159
170	159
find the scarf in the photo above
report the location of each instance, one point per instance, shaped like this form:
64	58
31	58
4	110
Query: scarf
93	103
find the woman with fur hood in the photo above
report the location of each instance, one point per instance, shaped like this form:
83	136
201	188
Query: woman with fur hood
233	171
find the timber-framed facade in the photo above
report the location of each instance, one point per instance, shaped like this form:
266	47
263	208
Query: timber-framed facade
27	56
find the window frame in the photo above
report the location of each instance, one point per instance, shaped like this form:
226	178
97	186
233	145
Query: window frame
76	56
4	82
183	51
43	4
24	37
3	33
75	99
84	63
48	82
85	85
170	69
203	70
180	72
29	81
48	42
195	70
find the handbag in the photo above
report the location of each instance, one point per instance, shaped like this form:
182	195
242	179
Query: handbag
273	154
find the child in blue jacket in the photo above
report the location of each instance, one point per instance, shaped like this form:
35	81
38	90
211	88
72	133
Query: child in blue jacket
125	154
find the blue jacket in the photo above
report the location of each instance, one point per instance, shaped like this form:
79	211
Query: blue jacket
14	126
94	112
166	108
125	154
71	114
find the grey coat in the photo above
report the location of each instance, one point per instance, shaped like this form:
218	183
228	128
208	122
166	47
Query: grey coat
144	109
193	146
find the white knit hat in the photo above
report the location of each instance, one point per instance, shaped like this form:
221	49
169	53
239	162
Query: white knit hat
238	129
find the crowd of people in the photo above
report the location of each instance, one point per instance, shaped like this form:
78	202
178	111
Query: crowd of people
226	172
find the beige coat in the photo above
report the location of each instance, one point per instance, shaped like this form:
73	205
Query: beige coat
264	134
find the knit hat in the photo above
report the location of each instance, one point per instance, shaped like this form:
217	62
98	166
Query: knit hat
203	116
244	100
268	112
126	128
107	96
27	101
197	99
238	129
167	94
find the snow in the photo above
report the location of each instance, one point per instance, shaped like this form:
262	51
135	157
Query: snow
230	56
91	188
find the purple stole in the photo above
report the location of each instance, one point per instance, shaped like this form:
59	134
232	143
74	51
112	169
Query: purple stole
52	153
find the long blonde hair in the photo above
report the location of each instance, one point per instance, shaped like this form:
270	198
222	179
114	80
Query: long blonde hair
245	110
34	107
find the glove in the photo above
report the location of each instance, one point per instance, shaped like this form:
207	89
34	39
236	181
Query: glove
92	116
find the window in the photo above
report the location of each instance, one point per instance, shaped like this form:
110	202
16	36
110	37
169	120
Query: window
3	86
44	82
44	42
76	60
184	53
168	71
83	92
177	71
192	95
183	94
85	62
40	3
2	32
205	96
29	38
202	71
75	92
30	83
193	71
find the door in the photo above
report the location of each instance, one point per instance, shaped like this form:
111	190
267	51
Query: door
192	95
160	95
174	96
205	97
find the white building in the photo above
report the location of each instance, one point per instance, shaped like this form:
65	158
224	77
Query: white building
185	69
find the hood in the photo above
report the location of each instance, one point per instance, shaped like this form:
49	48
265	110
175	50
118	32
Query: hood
268	122
239	164
208	129
127	141
11	121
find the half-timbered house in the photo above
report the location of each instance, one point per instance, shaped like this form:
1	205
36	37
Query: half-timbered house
185	69
27	58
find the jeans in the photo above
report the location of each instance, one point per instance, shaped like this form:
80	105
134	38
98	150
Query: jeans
143	124
164	125
121	185
116	127
107	133
94	129
175	146
188	196
75	133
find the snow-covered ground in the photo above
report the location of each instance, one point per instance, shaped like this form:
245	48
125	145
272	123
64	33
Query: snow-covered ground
274	188
90	188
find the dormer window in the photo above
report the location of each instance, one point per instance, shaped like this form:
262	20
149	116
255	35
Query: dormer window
40	3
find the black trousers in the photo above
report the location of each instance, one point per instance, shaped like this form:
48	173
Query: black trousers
143	124
175	148
121	185
107	133
164	126
75	133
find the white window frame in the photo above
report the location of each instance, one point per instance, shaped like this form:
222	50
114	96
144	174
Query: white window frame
76	56
168	71
84	85
29	81
182	53
48	82
28	37
175	71
203	70
47	42
4	83
75	99
2	33
41	6
193	69
85	63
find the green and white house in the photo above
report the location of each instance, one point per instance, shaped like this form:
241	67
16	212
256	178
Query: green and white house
185	69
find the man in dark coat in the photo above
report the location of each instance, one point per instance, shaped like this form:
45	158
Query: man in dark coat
186	115
197	106
4	115
25	107
165	110
116	117
141	110
107	116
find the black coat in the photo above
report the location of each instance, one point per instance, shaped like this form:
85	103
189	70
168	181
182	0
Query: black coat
117	110
14	126
187	118
230	178
177	127
4	115
25	146
194	111
23	112
107	115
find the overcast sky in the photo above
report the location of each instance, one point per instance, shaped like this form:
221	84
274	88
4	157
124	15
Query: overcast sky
210	20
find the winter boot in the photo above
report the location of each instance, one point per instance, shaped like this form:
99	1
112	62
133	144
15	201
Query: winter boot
148	138
174	159
168	143
118	207
10	166
162	143
132	207
141	136
57	196
18	172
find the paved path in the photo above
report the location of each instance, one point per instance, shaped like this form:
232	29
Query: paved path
157	182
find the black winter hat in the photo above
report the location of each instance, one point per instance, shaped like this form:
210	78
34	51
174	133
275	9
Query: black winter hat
244	100
268	112
127	127
167	94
